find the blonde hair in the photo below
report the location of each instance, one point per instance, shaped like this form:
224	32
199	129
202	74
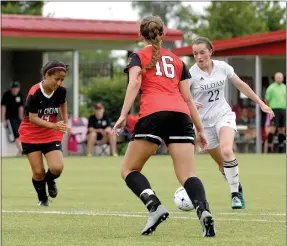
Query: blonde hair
151	29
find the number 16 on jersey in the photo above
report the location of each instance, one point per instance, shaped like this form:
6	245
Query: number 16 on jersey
168	67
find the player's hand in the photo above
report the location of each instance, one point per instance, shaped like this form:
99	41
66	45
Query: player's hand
202	141
60	126
267	110
120	124
198	105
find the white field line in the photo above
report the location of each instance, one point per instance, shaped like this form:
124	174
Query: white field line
134	215
216	213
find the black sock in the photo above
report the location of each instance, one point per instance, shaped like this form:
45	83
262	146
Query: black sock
138	183
196	193
50	176
40	187
270	141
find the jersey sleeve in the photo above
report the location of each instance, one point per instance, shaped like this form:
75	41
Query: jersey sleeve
133	61
229	70
4	100
63	95
191	80
185	73
32	104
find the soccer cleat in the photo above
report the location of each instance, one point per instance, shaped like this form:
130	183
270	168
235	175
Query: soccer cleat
44	203
207	223
52	189
241	196
236	201
154	219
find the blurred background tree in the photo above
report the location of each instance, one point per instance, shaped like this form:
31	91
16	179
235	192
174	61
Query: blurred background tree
22	7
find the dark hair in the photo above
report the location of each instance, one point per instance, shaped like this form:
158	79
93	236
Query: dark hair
15	84
203	40
151	29
53	67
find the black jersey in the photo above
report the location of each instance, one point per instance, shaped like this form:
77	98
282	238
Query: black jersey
48	108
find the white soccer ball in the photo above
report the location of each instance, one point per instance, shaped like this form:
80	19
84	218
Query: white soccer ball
181	200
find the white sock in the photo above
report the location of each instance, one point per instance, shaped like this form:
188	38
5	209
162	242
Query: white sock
223	175
232	174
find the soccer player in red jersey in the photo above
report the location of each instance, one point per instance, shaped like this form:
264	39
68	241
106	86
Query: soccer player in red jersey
41	132
166	111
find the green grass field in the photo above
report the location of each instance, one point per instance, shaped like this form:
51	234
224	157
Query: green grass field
94	206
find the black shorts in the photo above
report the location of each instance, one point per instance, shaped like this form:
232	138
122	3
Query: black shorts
280	118
167	126
44	147
13	126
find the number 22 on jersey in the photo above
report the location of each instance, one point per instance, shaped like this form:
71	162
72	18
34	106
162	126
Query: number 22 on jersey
168	67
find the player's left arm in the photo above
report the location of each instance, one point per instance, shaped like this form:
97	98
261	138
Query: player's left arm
64	112
64	106
246	90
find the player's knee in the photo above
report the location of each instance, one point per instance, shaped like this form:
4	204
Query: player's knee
270	137
227	151
38	173
57	169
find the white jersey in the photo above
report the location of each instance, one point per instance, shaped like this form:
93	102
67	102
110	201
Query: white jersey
209	90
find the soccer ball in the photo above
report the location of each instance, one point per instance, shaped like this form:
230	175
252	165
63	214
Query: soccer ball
181	200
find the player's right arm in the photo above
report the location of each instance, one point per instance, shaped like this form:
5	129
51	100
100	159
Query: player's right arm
184	88
34	118
185	92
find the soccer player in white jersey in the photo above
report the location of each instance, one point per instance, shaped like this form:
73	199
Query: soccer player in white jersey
208	79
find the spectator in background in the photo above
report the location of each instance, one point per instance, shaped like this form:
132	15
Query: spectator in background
99	128
247	119
12	111
276	99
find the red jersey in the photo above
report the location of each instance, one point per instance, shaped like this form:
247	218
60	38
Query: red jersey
48	108
160	85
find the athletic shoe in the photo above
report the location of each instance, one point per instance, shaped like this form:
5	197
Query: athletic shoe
154	219
52	189
44	203
207	223
241	196
236	201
